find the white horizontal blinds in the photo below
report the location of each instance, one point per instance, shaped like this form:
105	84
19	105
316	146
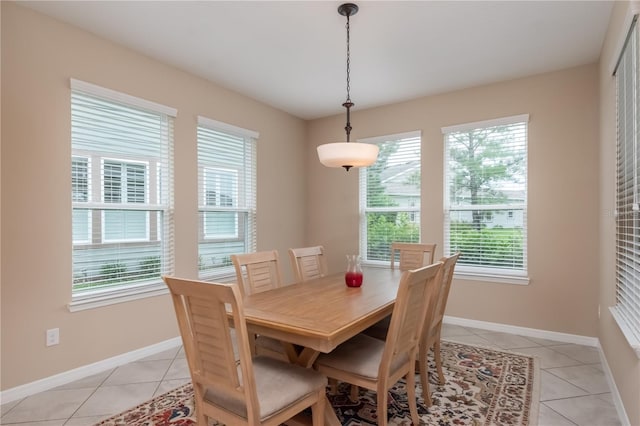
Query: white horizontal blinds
122	180
226	195
486	195
627	197
390	196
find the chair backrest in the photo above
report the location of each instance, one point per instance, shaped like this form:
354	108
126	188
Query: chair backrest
412	255
206	336
446	276
416	293
257	272
308	262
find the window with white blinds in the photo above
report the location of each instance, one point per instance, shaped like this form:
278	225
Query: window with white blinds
627	309
485	196
122	196
226	195
390	196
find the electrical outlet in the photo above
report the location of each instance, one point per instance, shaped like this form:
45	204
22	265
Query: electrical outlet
53	336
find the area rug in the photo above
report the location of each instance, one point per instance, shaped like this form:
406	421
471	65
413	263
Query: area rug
483	387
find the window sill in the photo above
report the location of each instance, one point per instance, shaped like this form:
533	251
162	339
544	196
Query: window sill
100	298
626	330
501	279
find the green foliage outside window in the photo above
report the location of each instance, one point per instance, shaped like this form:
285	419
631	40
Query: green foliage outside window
386	228
490	247
116	273
149	267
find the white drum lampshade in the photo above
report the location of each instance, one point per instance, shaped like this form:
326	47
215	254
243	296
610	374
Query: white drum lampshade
347	154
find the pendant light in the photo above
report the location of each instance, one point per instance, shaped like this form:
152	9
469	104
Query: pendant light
348	154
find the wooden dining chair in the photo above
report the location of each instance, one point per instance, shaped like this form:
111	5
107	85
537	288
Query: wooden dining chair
412	255
257	272
308	262
257	391
377	365
432	331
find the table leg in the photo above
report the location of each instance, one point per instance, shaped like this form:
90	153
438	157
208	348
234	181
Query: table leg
306	358
330	417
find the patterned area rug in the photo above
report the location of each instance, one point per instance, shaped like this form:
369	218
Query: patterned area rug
483	387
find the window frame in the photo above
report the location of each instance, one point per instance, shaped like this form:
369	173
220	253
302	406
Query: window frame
244	204
413	211
480	272
158	202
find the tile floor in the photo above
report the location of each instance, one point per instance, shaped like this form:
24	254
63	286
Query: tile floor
574	390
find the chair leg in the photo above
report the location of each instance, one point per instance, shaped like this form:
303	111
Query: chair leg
333	385
382	400
355	393
411	395
424	374
438	358
317	409
201	418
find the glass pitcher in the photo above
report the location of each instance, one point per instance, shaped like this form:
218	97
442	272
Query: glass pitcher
353	276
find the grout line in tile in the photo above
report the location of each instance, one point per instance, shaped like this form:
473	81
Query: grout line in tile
567	419
86	399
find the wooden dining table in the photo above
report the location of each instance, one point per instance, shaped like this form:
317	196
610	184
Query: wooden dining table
316	316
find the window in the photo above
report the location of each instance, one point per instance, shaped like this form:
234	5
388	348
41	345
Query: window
627	213
121	180
227	196
485	197
390	196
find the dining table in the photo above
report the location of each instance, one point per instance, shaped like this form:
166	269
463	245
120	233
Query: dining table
316	316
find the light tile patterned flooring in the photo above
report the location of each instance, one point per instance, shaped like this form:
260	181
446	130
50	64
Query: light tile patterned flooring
574	390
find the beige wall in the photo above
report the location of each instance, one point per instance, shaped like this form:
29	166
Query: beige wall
563	198
39	56
622	360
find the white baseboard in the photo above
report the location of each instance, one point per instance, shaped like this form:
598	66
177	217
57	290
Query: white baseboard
523	331
615	395
51	382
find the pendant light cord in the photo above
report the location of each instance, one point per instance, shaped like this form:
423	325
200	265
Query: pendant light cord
348	64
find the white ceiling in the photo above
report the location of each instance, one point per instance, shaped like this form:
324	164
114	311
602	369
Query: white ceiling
292	55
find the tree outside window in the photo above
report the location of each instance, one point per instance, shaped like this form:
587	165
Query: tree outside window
485	195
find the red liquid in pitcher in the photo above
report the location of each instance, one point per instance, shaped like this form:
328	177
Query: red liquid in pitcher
353	279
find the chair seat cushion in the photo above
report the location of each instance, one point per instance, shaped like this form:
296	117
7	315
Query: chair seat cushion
360	355
278	385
